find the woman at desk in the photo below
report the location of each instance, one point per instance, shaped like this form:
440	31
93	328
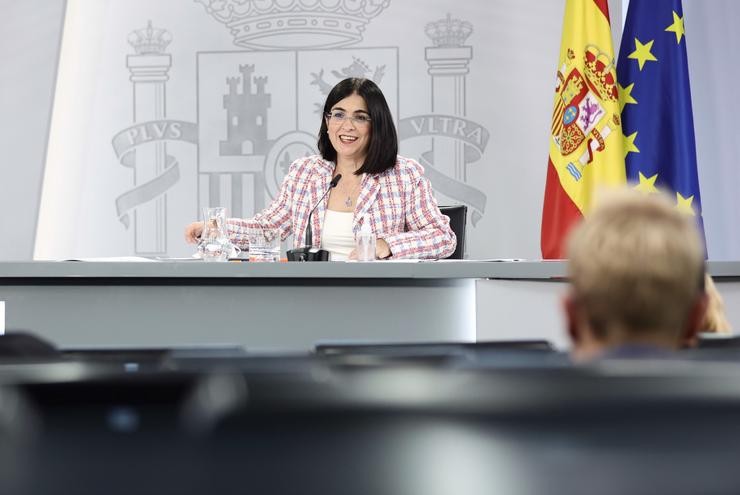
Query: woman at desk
379	190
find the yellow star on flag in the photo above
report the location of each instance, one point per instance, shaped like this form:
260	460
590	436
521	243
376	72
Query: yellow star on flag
677	27
684	204
629	144
642	52
647	184
625	96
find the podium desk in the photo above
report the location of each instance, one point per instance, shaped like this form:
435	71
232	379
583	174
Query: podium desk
262	306
292	306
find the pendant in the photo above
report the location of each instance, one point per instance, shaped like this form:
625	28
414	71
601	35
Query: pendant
348	202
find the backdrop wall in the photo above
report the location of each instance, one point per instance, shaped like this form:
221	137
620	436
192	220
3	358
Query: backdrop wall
208	105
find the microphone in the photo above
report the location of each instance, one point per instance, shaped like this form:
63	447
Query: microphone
306	253
308	240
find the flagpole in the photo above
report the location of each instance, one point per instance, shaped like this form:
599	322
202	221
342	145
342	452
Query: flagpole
625	6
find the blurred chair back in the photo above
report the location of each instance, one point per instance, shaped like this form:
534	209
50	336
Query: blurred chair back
718	341
458	215
22	345
412	348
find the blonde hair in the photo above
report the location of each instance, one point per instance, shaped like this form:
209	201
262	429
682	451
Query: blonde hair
636	266
715	319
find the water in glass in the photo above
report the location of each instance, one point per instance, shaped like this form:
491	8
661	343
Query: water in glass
214	243
264	244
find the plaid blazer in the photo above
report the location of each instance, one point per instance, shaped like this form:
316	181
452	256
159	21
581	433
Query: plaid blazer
399	205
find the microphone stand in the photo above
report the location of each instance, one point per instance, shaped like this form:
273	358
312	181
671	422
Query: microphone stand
308	252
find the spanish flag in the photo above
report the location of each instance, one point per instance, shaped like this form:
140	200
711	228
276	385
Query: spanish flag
586	142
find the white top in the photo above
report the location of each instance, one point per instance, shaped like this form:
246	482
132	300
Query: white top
336	234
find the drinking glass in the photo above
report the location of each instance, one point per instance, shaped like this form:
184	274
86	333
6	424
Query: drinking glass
365	246
264	244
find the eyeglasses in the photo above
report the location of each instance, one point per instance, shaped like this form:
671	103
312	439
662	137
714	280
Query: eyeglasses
338	117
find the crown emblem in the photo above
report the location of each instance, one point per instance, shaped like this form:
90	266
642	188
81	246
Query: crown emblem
150	40
448	32
599	69
286	24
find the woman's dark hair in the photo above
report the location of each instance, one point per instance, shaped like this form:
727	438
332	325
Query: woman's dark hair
383	147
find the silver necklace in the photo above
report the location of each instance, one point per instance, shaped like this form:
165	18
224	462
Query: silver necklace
348	201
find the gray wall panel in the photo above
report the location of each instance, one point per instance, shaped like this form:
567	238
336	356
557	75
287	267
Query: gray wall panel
30	32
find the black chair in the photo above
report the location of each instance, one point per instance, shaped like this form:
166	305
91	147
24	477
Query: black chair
528	354
23	345
714	341
458	215
413	348
154	358
510	427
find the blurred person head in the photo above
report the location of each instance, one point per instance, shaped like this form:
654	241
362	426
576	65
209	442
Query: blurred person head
715	319
357	125
636	267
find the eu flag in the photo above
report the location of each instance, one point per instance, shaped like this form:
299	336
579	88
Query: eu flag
655	97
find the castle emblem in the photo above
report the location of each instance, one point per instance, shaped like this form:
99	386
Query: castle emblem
246	114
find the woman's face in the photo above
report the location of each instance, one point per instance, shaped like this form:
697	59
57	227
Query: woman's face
349	128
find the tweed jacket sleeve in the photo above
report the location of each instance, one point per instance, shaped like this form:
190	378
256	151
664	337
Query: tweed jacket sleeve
426	232
276	215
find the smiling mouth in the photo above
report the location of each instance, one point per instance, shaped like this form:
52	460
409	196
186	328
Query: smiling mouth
347	139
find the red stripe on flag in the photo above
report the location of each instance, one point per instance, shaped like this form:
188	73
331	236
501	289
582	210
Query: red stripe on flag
603	5
559	215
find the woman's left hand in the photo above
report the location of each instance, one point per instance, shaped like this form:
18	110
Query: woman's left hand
382	250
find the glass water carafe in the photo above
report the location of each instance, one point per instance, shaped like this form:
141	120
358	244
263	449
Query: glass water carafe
214	243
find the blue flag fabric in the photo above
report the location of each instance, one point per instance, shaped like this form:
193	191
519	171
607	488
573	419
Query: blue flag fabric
655	96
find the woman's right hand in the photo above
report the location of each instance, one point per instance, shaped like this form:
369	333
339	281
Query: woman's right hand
193	232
